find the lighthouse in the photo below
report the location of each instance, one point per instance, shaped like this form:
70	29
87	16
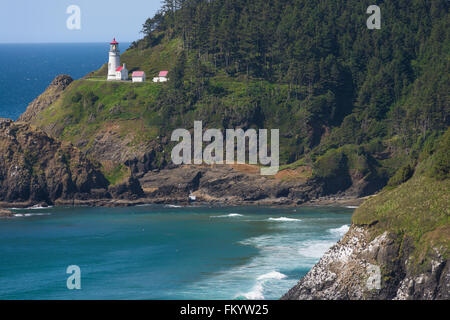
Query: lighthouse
114	60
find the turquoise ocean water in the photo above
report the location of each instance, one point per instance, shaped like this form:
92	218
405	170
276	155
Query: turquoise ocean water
164	252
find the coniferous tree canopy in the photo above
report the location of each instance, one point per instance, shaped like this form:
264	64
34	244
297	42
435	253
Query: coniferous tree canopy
347	85
326	46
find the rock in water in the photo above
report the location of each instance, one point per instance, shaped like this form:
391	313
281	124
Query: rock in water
5	213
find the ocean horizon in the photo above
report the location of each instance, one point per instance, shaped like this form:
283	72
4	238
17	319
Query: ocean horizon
31	67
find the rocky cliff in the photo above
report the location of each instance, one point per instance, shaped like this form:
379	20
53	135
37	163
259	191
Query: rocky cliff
36	168
234	184
359	267
397	248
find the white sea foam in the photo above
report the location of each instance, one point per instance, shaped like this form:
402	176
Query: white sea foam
340	231
31	214
257	291
280	254
231	215
272	275
37	206
352	207
255	294
283	219
315	248
173	206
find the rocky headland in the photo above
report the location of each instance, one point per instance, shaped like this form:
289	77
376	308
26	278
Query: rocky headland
35	168
397	248
360	267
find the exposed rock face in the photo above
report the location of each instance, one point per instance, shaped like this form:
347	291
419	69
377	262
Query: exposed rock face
222	183
53	92
360	268
130	189
36	168
5	213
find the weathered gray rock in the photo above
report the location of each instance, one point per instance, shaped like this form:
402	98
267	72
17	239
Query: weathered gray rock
222	183
360	268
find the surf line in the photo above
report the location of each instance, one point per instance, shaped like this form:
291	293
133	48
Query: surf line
192	310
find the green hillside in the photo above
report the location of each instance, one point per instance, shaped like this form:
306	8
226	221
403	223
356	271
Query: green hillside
349	102
419	209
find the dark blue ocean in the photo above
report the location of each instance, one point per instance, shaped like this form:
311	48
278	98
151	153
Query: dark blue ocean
27	69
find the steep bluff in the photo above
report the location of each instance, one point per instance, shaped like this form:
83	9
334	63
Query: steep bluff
361	268
396	248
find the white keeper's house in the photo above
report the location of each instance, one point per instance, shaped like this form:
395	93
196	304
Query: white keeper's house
138	76
115	70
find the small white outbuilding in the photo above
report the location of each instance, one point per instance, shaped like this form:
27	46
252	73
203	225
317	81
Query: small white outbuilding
122	73
162	77
138	76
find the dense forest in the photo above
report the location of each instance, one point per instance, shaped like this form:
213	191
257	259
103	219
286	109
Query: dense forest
343	84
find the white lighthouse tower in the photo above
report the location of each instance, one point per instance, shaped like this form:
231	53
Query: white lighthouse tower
114	59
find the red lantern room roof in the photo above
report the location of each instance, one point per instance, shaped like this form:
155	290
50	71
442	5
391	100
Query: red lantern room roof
114	41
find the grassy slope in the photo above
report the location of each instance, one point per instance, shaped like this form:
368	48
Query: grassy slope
90	105
418	209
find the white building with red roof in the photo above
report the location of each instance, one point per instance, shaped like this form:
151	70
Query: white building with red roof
162	77
138	76
122	73
115	71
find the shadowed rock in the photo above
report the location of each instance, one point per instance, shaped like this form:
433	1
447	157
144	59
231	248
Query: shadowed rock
36	168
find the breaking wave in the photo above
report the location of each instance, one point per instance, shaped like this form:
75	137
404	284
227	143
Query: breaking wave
283	219
36	207
255	294
231	215
31	214
340	231
315	248
272	275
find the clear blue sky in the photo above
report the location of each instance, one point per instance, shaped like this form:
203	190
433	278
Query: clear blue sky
30	21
